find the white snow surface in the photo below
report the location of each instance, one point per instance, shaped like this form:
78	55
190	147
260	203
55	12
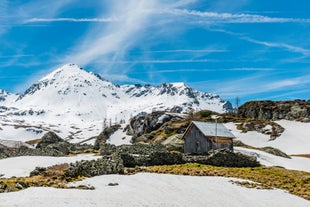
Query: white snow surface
153	190
119	137
294	140
296	163
22	166
73	103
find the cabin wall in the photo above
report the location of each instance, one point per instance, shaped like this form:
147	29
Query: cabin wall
222	143
195	142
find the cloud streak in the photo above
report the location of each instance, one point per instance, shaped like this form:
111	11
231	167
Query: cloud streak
188	51
116	37
262	85
36	20
215	17
190	70
285	46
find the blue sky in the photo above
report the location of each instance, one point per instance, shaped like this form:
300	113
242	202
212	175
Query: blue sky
253	49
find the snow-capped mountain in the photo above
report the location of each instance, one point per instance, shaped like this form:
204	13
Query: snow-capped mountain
74	103
6	98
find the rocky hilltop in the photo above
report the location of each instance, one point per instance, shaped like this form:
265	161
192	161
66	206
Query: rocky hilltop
274	110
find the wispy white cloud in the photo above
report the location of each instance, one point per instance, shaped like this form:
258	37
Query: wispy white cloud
15	56
32	20
215	17
190	70
47	9
188	51
292	94
116	37
255	85
160	61
289	82
285	46
111	43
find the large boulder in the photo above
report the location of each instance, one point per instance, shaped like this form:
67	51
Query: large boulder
49	138
174	143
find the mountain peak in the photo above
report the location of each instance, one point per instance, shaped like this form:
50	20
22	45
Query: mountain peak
65	70
71	66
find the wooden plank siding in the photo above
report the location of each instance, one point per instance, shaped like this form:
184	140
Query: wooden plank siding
195	142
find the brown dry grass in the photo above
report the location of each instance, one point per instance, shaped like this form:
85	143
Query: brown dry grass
53	177
302	155
34	141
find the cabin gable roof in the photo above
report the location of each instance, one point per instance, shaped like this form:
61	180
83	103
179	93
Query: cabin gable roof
210	129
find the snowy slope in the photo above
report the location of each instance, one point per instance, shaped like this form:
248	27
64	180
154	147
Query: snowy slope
153	190
120	137
296	163
22	166
73	103
6	98
294	140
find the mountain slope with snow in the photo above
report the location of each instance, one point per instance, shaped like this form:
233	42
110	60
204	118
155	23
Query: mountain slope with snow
74	103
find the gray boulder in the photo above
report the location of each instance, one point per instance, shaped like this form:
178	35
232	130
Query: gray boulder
49	138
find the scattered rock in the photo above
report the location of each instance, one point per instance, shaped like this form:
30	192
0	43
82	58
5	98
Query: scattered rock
113	184
224	158
38	171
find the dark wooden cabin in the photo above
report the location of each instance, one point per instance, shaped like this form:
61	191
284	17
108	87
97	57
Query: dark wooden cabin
201	137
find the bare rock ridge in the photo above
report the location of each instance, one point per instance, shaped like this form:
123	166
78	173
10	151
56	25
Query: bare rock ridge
275	110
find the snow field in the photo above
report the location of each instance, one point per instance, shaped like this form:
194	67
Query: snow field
153	190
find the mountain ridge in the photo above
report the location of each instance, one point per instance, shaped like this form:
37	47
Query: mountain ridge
79	101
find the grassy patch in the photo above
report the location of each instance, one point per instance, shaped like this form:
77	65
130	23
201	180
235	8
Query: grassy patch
51	177
270	150
34	141
295	182
302	155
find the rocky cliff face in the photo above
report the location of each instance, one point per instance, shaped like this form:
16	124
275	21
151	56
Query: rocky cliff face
156	126
275	110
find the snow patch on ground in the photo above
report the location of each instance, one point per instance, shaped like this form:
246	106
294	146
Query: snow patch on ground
119	137
296	163
153	190
294	140
22	166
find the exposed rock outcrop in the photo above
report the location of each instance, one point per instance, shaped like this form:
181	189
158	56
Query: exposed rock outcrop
48	139
102	166
224	158
270	128
155	126
174	143
105	135
50	145
275	110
